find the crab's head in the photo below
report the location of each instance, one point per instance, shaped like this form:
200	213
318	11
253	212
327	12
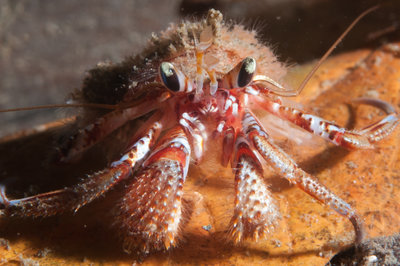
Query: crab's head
177	82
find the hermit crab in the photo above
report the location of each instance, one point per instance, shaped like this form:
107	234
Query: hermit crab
197	83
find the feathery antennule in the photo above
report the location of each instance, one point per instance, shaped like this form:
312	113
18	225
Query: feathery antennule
199	72
211	62
206	39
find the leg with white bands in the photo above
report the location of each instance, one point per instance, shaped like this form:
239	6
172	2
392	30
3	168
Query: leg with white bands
288	169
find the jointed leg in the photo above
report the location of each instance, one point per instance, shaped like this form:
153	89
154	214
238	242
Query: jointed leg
289	170
90	188
150	214
196	132
334	133
255	212
105	125
228	144
381	129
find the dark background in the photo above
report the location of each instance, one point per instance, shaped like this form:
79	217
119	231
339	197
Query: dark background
46	46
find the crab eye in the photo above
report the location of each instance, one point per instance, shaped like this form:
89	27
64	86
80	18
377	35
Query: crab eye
170	77
241	75
246	72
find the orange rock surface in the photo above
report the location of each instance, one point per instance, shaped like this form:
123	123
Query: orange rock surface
308	232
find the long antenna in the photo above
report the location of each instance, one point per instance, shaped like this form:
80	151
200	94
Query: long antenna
323	58
72	105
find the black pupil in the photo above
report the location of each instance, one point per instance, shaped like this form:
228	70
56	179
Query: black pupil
169	76
246	72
